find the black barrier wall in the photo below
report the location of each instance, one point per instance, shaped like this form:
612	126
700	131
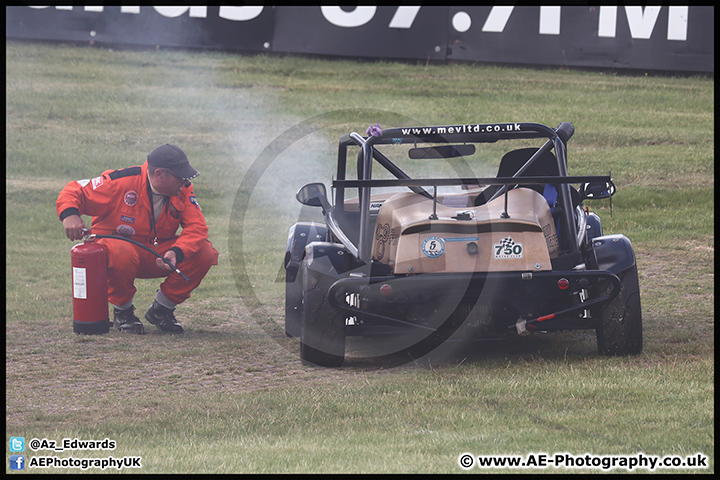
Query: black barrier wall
671	38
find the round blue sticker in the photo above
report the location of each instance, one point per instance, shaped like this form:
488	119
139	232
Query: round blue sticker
433	247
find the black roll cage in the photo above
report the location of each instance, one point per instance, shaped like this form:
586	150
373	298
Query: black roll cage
475	133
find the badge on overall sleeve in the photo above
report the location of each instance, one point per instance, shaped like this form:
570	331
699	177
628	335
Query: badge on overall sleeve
194	201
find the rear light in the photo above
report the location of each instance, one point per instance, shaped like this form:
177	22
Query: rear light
563	284
386	289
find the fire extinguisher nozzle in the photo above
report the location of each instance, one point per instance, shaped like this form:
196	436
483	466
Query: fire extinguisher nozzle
182	275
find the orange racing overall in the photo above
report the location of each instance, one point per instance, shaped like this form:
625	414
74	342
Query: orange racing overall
120	203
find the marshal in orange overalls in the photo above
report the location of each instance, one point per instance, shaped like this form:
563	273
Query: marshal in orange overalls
119	202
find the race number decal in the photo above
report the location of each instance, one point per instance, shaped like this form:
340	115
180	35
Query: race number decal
506	249
433	247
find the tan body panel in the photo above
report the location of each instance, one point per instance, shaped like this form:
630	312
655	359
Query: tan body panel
408	240
453	200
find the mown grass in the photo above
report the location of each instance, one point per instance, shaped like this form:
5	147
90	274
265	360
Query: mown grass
230	396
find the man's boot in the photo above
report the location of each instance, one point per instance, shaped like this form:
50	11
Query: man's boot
126	321
163	318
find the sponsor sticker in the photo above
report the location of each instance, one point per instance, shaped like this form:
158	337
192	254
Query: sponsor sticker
127	219
433	247
461	239
131	198
507	248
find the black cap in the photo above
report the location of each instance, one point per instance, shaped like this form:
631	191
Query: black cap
174	159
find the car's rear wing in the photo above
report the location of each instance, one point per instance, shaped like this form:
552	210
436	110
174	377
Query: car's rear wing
471	181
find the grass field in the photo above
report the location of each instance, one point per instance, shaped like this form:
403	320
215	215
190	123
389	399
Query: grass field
230	395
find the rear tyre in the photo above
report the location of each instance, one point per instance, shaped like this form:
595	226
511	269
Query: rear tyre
322	335
619	328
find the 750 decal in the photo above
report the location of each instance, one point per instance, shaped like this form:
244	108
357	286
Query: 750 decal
507	248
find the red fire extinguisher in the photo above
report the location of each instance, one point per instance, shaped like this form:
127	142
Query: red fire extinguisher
90	296
89	272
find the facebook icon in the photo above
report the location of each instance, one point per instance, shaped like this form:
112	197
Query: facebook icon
17	462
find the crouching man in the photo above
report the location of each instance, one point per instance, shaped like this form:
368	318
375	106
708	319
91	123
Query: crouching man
147	204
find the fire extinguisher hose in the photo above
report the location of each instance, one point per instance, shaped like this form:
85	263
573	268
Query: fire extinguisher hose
167	262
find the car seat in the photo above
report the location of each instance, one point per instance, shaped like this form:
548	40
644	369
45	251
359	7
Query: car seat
545	165
512	161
